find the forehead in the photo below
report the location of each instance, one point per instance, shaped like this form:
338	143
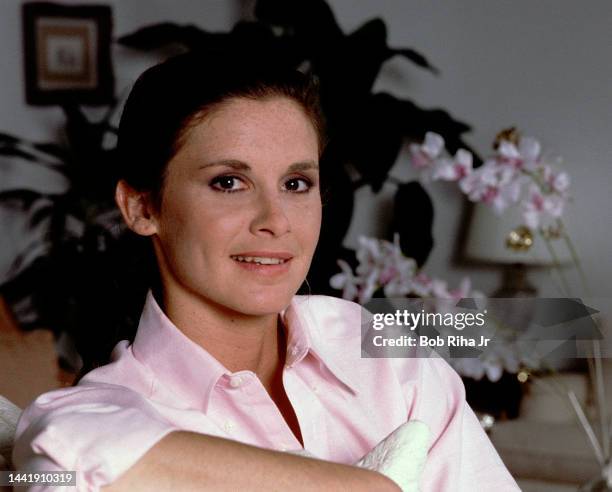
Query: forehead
276	126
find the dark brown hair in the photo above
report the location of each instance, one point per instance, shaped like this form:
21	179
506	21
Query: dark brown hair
169	98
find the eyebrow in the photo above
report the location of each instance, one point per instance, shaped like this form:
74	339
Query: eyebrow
243	166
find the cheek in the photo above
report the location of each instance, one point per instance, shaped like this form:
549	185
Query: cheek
192	226
307	222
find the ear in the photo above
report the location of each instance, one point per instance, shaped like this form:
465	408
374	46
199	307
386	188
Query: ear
136	209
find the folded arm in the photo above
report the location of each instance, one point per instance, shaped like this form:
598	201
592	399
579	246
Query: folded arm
128	445
189	461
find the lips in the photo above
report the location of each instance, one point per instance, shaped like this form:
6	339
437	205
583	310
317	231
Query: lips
259	260
264	257
267	264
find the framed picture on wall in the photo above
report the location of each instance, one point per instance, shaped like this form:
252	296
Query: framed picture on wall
67	55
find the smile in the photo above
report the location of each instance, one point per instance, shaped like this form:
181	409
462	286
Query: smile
260	260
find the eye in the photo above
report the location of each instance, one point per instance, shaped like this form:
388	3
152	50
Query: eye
298	185
227	184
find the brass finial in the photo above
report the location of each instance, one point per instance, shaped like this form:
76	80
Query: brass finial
520	239
511	135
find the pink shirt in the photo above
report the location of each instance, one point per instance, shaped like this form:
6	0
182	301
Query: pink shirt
344	404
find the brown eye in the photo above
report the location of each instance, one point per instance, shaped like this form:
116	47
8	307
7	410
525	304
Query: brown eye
226	184
298	185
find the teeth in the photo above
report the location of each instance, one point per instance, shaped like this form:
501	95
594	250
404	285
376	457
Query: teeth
260	260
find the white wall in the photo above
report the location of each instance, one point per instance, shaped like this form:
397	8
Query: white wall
544	66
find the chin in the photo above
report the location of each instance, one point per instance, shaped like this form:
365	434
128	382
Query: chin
265	303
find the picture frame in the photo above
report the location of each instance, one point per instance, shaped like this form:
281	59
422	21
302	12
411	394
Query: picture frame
67	54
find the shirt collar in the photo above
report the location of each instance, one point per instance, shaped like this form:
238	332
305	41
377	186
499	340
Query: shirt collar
191	372
177	362
309	319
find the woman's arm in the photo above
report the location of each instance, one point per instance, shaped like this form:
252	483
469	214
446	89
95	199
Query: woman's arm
189	461
116	440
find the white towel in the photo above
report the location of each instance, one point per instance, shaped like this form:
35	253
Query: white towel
401	455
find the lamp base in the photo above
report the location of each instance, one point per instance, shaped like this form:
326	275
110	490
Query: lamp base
515	282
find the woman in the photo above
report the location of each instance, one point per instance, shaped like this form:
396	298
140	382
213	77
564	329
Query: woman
229	368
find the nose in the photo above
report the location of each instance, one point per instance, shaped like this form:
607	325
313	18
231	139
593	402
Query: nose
271	217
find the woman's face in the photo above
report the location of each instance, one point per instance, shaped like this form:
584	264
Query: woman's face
241	207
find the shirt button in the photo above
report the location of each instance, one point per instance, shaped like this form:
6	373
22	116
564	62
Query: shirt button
228	426
295	350
235	381
315	389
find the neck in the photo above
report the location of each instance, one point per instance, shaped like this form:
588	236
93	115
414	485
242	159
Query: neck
238	341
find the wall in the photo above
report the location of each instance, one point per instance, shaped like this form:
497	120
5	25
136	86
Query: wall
543	66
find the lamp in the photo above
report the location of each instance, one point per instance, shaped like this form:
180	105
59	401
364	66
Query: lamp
504	240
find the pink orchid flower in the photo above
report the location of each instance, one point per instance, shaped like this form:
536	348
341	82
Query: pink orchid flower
540	210
452	170
425	154
421	285
525	157
345	281
556	182
493	184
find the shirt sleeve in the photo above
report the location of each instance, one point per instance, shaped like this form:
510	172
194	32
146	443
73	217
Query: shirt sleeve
461	457
97	430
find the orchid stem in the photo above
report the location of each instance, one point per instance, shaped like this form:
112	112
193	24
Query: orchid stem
601	398
561	389
587	427
595	368
575	257
556	265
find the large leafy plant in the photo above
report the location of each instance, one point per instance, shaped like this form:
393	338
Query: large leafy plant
60	228
70	231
